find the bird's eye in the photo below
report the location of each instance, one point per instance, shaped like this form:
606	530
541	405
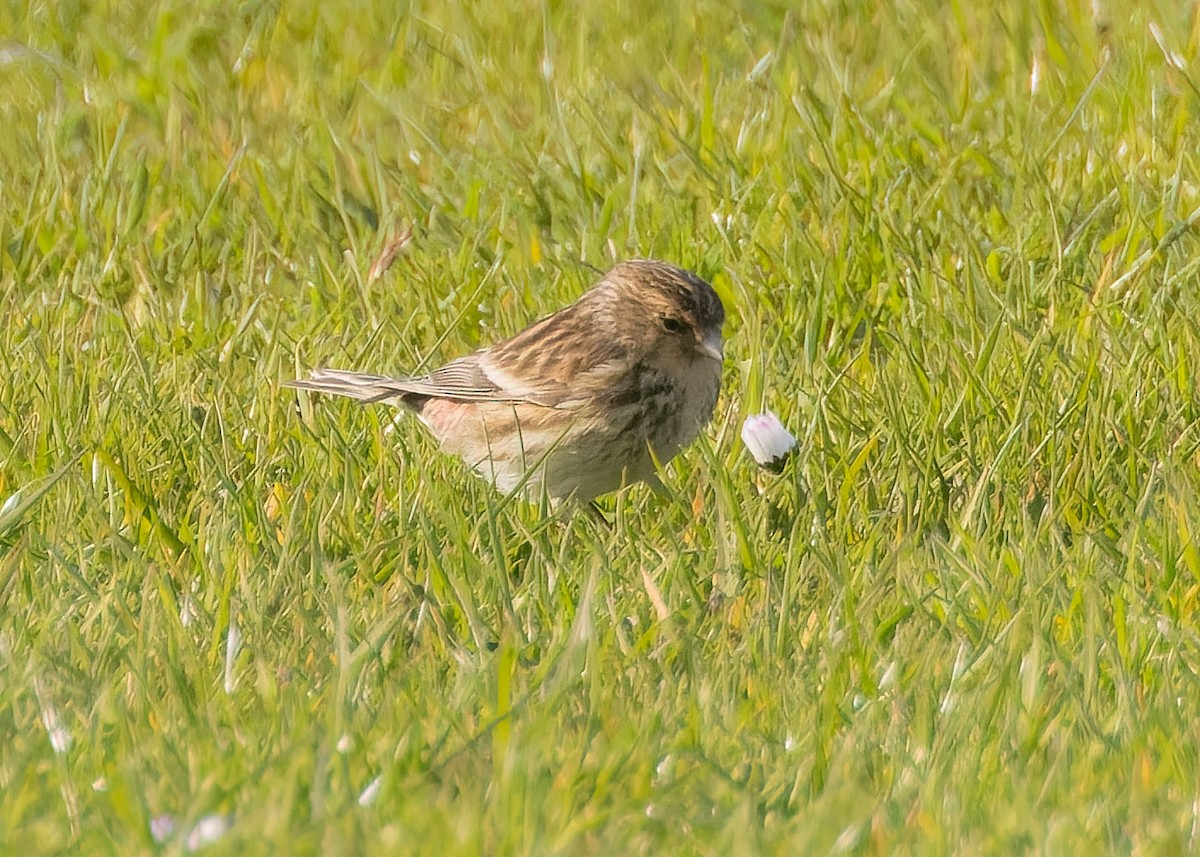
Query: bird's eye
672	325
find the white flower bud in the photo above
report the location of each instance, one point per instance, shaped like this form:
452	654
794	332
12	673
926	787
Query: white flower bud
768	441
208	830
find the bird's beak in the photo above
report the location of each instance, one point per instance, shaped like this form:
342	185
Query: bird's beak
711	346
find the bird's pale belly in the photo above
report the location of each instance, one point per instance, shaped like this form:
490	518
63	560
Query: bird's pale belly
579	451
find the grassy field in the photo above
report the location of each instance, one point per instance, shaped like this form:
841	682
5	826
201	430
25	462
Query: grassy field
958	249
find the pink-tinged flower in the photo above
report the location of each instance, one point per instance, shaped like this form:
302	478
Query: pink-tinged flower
768	441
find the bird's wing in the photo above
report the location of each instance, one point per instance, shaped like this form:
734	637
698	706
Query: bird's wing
551	363
557	361
467	379
355	385
461	379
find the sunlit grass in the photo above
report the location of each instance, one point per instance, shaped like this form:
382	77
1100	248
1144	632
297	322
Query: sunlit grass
958	251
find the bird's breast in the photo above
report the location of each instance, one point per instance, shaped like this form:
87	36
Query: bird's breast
683	399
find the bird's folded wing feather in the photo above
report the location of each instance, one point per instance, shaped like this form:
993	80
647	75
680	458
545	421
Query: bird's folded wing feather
552	363
482	377
466	379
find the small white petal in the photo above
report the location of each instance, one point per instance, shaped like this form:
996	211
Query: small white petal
960	663
371	791
11	503
848	839
665	770
947	705
60	738
233	641
768	441
208	830
762	66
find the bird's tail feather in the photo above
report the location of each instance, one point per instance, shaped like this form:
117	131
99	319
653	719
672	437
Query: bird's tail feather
355	385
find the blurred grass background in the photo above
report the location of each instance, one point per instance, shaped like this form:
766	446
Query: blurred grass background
957	245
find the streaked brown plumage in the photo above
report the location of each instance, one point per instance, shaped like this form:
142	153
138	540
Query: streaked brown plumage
574	404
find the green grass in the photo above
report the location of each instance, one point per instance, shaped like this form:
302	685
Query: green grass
963	620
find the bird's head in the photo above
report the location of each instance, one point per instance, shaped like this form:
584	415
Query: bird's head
674	312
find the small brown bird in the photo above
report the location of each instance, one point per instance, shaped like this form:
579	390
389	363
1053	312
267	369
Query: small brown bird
584	400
